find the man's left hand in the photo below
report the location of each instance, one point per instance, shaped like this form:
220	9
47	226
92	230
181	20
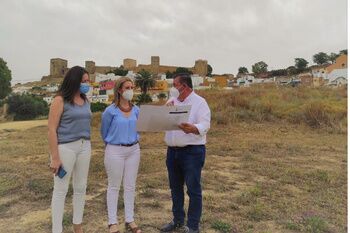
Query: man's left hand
188	128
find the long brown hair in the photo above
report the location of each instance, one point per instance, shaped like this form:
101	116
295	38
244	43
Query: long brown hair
71	84
118	85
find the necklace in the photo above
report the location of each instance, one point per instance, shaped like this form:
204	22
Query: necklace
125	109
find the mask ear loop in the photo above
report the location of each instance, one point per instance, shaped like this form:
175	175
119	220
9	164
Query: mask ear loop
184	87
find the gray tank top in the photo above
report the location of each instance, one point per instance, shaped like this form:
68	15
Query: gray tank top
75	123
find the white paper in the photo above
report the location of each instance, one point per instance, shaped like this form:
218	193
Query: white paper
161	118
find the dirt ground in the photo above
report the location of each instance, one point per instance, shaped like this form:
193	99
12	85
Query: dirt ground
258	177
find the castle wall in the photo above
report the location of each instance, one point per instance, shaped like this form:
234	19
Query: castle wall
90	66
201	68
104	69
129	64
58	67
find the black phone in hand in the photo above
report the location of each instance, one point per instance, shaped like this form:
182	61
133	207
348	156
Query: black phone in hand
61	172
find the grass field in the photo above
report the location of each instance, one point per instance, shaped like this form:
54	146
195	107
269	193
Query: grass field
21	125
265	171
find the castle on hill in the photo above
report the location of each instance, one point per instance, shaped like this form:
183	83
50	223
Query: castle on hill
59	67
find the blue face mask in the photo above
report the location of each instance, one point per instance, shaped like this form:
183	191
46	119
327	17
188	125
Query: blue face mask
84	88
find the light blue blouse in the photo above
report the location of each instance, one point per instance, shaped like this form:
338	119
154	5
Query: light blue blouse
117	128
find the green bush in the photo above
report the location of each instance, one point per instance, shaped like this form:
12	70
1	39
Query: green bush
315	224
161	96
221	226
98	107
27	107
143	99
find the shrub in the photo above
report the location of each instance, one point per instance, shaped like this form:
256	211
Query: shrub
315	224
27	107
143	99
98	107
221	226
161	96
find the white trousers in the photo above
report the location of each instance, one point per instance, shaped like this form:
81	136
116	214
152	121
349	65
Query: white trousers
75	157
121	163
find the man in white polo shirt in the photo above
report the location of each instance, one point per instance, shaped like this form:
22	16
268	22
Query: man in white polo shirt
186	156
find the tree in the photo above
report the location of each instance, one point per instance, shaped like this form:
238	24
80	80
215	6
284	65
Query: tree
259	67
178	70
144	80
27	107
291	70
5	79
182	70
344	51
332	57
210	70
119	71
280	72
168	74
243	70
300	63
320	58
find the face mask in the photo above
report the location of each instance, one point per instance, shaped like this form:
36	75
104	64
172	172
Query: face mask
84	88
174	92
128	94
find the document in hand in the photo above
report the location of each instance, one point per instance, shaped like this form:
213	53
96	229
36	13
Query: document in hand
161	118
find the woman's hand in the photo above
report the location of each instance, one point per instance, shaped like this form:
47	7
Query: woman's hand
55	165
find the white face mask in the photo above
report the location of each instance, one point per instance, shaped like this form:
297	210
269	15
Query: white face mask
173	92
128	94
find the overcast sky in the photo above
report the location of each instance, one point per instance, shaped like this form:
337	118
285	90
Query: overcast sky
227	33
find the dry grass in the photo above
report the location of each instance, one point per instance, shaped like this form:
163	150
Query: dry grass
21	125
315	107
260	176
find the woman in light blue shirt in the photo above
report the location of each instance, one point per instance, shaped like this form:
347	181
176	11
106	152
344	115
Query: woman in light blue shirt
122	153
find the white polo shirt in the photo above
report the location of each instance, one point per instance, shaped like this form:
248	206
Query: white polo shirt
199	116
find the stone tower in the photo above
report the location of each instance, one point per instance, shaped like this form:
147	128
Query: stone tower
155	62
201	67
58	67
129	64
90	67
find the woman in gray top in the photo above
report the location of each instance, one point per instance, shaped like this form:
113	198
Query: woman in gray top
70	148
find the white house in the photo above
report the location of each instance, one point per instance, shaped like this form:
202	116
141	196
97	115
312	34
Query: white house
100	98
338	82
197	81
106	77
337	73
263	80
48	99
21	90
52	88
131	75
245	80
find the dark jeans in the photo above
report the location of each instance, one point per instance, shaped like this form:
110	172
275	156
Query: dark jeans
185	166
